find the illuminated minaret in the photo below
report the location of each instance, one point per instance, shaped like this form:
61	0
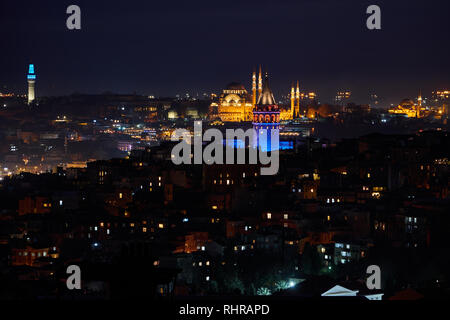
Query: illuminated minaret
259	83
297	99
31	77
254	89
293	102
419	106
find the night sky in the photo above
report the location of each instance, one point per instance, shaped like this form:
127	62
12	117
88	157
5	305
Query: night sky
173	47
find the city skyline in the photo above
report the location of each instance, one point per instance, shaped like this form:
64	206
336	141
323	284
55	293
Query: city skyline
308	162
132	48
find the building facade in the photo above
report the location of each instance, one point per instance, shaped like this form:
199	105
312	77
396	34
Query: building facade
236	104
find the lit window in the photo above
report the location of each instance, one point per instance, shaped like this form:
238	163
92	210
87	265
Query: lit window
286	216
120	195
207	263
207	278
269	216
161	226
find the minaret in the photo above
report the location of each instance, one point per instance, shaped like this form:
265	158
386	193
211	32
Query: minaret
254	89
292	102
297	98
259	82
419	106
31	80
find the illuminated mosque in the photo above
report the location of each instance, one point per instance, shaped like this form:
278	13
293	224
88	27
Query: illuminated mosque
236	104
409	108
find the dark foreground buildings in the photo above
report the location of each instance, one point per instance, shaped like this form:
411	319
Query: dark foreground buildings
140	226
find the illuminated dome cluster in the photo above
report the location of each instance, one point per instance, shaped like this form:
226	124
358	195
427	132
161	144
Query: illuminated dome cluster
407	103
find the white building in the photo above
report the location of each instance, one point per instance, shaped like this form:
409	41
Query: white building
339	291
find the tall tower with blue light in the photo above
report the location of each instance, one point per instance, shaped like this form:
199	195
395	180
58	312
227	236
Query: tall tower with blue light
266	118
31	77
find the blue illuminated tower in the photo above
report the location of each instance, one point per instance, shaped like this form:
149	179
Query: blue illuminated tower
31	77
266	118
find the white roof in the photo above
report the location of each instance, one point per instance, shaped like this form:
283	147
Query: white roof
339	291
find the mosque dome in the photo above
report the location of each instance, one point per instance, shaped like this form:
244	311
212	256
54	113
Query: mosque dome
407	103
